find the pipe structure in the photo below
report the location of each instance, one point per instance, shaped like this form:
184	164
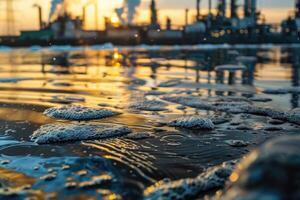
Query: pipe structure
153	11
253	8
222	8
250	8
198	10
233	9
40	12
297	7
247	7
209	7
187	17
84	15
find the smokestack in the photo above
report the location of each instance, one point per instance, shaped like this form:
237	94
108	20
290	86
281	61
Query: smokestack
297	8
168	23
247	8
40	15
83	15
209	7
186	17
198	10
250	8
253	8
233	9
222	8
153	11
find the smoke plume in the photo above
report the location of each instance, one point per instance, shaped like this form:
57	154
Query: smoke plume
59	7
54	6
127	12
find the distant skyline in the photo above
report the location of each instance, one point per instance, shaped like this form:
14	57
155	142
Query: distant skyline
26	16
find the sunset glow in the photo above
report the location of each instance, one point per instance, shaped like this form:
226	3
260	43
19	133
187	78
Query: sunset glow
26	15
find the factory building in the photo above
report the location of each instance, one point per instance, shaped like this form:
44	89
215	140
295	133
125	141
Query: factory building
291	26
213	27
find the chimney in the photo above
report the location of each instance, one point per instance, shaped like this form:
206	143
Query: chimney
186	17
233	9
83	15
168	23
247	7
153	11
40	15
222	8
297	8
209	7
253	8
250	8
198	10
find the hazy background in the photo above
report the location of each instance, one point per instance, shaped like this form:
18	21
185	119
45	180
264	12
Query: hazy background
26	17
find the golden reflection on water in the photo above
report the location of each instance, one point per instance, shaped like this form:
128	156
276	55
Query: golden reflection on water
127	153
15	179
106	78
9	114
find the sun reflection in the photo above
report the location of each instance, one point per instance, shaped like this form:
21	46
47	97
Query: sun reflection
116	59
234	177
117	56
115	21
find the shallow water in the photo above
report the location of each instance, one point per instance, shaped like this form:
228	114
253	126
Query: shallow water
126	80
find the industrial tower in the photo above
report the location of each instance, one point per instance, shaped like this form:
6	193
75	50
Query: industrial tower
297	7
222	8
154	19
198	7
233	9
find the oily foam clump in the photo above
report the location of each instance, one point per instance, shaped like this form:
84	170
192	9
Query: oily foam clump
192	122
79	113
189	188
58	133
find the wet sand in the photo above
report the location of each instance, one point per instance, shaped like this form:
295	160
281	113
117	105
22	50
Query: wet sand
141	84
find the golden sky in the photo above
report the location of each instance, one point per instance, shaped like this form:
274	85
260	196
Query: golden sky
26	15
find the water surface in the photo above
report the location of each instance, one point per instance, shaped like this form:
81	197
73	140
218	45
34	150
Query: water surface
32	80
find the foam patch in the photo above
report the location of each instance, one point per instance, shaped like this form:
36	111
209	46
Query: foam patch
189	188
79	113
193	122
59	133
149	105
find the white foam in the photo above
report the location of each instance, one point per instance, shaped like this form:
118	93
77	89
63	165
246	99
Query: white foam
293	116
149	105
193	122
79	113
228	107
57	133
139	136
237	143
190	188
